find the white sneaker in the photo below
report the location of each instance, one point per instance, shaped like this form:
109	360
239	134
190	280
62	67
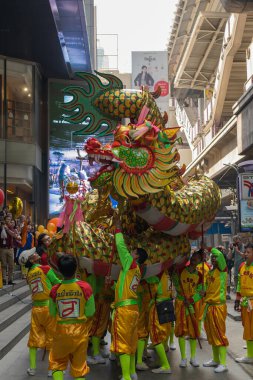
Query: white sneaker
161	370
134	376
172	347
183	363
194	362
98	359
221	368
245	360
49	373
31	371
142	367
210	363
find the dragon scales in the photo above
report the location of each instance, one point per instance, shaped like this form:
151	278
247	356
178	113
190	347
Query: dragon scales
160	211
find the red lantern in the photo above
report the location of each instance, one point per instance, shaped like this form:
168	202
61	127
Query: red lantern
1	197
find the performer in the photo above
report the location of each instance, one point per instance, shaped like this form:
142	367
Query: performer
126	313
216	311
40	278
188	284
245	295
159	333
103	299
142	329
71	302
169	344
203	267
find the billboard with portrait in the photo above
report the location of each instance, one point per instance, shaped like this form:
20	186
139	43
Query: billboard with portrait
150	70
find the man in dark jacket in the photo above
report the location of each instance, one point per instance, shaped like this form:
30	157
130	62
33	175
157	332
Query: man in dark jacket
144	78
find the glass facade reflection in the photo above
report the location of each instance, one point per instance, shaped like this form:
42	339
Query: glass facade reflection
19	102
21	138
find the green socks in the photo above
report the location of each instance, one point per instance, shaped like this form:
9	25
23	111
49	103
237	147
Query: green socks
162	356
249	348
140	350
32	356
57	375
95	345
193	347
181	341
125	366
132	365
223	355
216	356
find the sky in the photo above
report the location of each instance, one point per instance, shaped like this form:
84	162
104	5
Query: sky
141	25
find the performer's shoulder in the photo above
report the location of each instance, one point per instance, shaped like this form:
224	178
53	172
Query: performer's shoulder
86	288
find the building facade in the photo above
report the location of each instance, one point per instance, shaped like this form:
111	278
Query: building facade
39	41
209	50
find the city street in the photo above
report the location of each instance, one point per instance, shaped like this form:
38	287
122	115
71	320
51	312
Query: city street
15	363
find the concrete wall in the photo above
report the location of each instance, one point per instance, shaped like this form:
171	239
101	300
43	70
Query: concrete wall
244	111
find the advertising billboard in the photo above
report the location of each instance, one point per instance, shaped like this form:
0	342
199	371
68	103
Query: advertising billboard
150	70
246	201
67	158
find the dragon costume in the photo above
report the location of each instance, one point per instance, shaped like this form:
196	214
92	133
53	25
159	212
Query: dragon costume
160	211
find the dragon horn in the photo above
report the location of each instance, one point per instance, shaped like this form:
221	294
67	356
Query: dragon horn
113	82
157	93
165	118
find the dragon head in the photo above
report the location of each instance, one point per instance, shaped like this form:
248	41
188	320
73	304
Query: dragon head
141	160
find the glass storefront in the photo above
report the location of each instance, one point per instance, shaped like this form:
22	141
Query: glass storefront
19	102
21	137
1	98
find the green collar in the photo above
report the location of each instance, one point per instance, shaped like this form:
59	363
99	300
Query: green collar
69	281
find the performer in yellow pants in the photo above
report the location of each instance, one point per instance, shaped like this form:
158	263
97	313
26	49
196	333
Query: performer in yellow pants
142	329
188	286
103	300
203	267
126	312
159	333
72	302
245	296
216	311
40	278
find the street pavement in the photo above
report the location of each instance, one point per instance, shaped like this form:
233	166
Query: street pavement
13	366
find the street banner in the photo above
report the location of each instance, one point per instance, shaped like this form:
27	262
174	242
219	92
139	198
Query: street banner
246	201
150	70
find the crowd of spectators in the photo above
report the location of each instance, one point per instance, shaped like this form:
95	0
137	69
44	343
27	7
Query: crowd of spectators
17	235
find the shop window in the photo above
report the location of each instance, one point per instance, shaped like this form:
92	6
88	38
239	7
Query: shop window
1	98
19	93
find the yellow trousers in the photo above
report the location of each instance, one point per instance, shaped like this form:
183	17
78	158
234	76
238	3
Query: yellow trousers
42	328
247	322
186	325
143	322
70	345
124	330
158	333
101	318
215	325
